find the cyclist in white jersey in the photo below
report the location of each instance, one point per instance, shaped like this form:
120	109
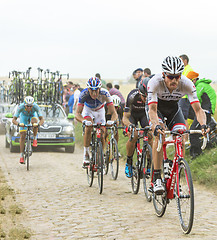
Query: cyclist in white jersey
91	110
164	92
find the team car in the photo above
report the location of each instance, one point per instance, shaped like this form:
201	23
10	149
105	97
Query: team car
57	130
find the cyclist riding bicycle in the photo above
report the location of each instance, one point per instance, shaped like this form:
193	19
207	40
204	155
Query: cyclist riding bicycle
29	112
134	113
91	110
164	91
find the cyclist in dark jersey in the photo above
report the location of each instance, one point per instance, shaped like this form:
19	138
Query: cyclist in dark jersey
134	113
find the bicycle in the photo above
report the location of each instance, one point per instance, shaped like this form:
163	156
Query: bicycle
28	146
177	181
112	154
142	166
96	159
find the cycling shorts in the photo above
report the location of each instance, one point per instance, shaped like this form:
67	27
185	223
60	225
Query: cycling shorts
141	117
26	120
174	120
98	116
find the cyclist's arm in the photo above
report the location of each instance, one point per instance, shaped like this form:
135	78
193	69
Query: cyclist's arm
111	109
14	120
153	115
41	120
200	114
78	113
126	119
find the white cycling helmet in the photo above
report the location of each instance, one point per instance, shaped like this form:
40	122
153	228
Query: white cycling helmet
116	100
173	65
28	101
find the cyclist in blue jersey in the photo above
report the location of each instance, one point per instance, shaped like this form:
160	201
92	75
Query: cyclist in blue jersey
91	110
29	112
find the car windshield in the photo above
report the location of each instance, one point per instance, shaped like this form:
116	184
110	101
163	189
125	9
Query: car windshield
52	112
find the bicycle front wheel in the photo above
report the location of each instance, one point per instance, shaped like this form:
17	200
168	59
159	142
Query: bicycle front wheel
100	166
89	169
147	171
185	196
114	159
135	179
27	154
107	157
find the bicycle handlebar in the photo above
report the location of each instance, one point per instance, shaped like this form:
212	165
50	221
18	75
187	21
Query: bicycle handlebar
205	139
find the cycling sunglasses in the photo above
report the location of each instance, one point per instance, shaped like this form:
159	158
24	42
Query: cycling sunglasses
171	77
28	105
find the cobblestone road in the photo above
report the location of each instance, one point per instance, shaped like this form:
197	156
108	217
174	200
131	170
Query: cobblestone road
60	205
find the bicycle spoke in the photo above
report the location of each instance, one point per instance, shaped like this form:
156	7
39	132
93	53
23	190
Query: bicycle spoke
185	197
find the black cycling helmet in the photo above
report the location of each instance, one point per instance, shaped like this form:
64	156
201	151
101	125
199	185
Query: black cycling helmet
142	88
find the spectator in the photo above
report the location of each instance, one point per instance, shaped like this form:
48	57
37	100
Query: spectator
117	86
70	85
137	75
76	96
187	68
71	101
207	97
147	72
102	81
184	102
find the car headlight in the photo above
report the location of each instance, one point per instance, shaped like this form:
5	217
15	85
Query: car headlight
68	129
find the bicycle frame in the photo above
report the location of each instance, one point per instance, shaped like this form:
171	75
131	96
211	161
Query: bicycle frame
173	179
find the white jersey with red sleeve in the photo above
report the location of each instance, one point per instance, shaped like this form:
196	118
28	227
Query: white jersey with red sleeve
157	90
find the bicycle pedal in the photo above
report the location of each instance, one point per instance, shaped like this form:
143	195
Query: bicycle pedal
150	189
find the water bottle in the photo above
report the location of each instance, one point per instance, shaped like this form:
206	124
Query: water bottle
167	167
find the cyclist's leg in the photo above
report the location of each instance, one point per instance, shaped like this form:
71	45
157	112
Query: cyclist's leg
33	120
88	115
157	158
130	148
22	130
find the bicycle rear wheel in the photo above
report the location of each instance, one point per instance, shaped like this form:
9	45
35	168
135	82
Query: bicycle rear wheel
185	196
114	159
100	166
147	171
135	179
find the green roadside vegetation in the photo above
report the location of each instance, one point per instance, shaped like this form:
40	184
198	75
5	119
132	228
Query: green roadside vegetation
203	168
11	214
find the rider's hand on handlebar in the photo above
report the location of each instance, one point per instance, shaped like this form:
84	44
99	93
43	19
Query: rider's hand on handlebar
110	122
158	130
87	123
35	124
205	129
20	124
130	127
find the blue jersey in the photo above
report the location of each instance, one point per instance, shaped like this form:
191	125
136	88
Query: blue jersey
95	104
22	110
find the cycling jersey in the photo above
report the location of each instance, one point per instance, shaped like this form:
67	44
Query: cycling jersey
158	92
95	104
22	110
134	102
168	102
137	108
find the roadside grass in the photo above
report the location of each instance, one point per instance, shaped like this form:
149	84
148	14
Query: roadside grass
203	168
10	214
